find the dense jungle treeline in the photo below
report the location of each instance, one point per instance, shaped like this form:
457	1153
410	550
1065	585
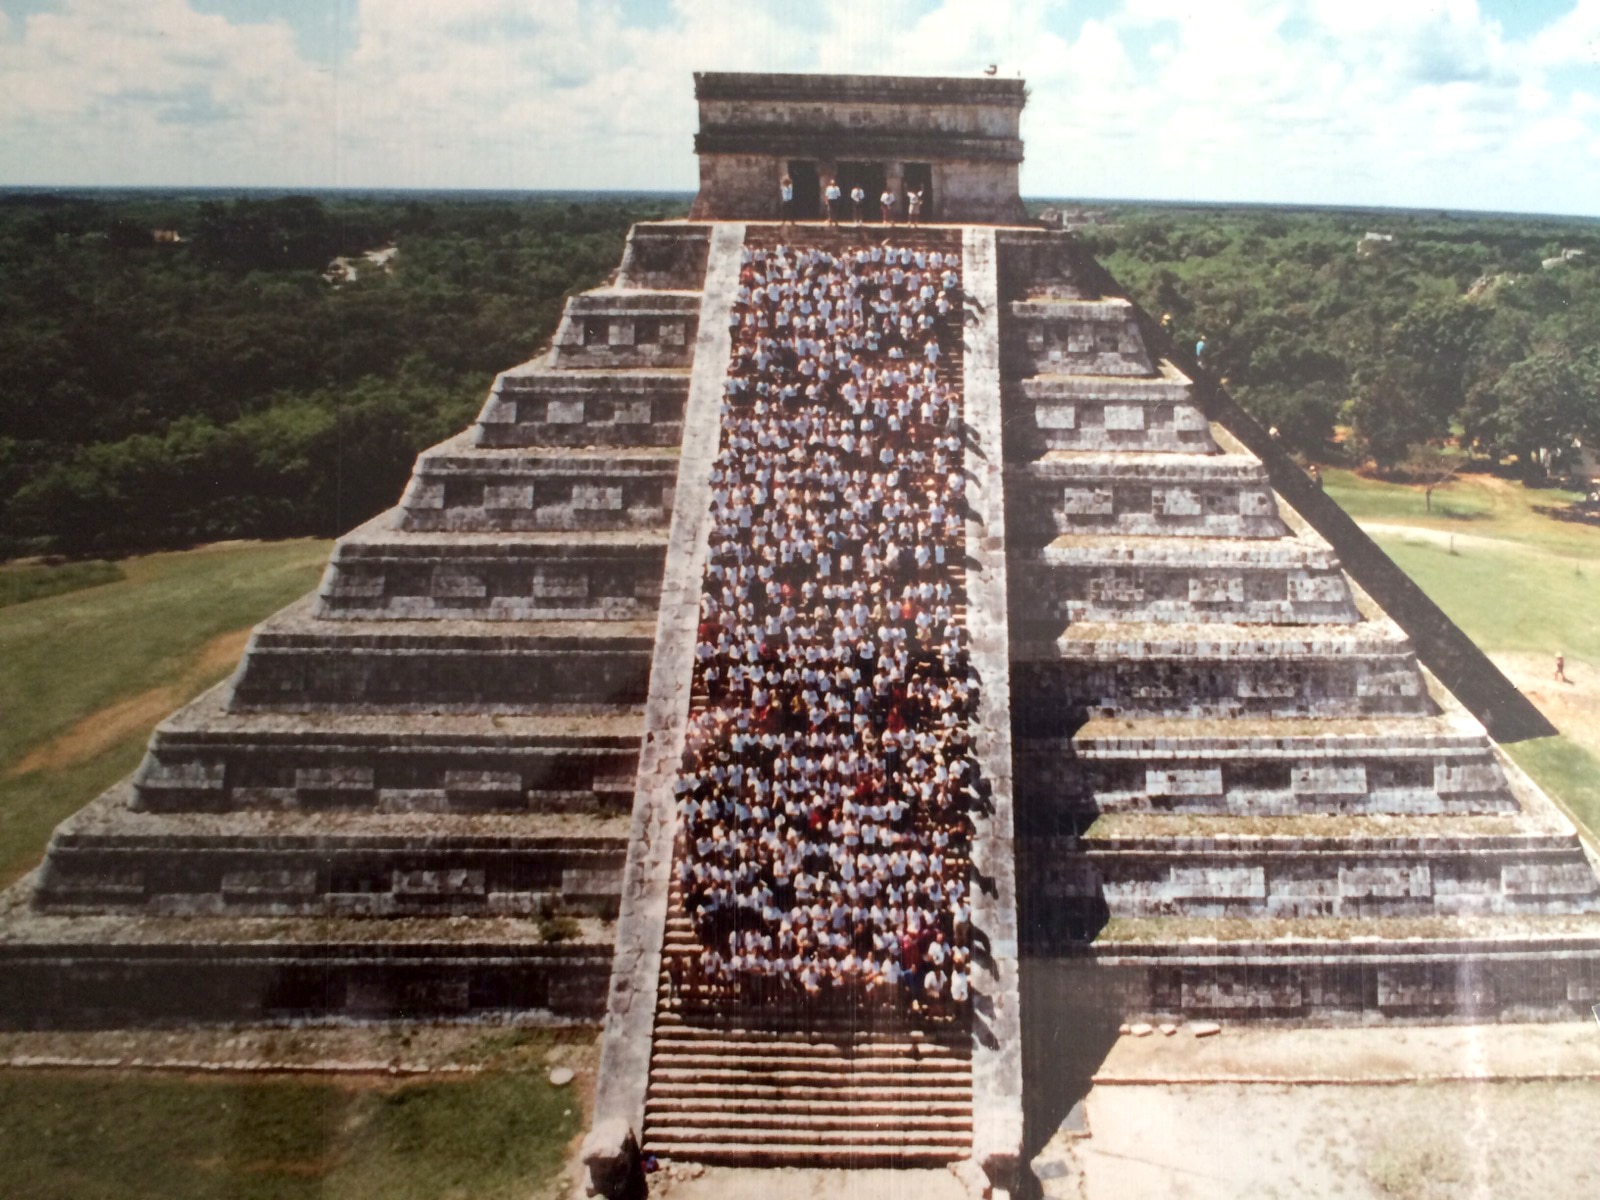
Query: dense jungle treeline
159	393
1453	332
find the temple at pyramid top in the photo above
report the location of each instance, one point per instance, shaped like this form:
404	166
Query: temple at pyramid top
954	140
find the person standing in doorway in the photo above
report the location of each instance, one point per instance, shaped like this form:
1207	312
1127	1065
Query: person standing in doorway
858	200
786	199
886	203
914	206
835	199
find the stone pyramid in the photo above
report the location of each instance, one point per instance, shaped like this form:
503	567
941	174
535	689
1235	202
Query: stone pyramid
1238	765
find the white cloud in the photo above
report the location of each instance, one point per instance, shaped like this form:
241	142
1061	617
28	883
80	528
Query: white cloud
1342	101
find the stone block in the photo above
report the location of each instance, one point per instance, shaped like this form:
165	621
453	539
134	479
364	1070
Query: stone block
1056	416
1451	779
1548	879
1411	880
1183	781
440	884
596	497
1124	416
1084	501
1176	502
1218	883
1216	589
632	412
1314	780
508	496
257	883
1317	589
564	412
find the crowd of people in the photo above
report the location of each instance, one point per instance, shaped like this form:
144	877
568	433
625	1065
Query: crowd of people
827	778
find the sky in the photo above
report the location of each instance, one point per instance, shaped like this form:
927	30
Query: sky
1460	104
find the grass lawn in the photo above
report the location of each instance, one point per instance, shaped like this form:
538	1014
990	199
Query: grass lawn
86	673
1522	586
87	1137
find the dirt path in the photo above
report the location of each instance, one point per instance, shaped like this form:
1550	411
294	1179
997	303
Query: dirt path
1448	537
1573	707
1501	1111
103	729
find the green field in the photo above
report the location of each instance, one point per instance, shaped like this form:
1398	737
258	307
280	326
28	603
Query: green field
88	1136
86	673
1519	583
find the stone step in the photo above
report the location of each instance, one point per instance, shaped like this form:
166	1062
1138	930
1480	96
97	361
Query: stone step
908	1040
820	1077
1371	967
1105	412
1060	336
1125	670
804	1145
114	969
380	571
209	758
882	1152
376	865
535	405
784	1123
461	487
1036	264
665	1109
952	1096
296	661
627	327
882	1060
1287	877
665	254
1140	494
1096	578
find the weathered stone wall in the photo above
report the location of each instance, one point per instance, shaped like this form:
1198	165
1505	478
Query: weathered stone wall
370	866
626	328
1507	979
275	976
964	130
665	255
1297	877
493	577
1224	496
535	406
1173	580
205	758
1105	413
1075	780
465	488
1073	337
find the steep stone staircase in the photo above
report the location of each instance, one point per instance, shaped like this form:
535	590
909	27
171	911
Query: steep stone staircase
801	1086
833	1083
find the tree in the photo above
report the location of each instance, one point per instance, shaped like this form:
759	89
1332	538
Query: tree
1543	403
1387	418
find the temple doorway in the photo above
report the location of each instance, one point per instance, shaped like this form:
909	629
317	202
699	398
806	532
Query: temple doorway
870	177
920	176
807	189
